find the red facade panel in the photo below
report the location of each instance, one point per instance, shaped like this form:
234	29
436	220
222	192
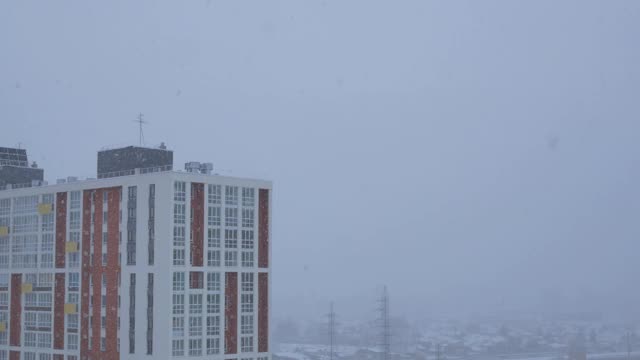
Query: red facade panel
231	313
96	274
14	355
61	228
58	357
263	312
94	269
86	273
111	272
15	310
58	312
263	228
197	224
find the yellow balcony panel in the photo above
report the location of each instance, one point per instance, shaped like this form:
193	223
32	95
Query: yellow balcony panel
27	288
44	209
4	230
3	327
70	308
71	246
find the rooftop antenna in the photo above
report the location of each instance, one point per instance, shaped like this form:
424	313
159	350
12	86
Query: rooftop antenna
332	329
141	122
384	323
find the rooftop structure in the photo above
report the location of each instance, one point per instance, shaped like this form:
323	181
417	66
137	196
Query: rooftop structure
125	161
15	170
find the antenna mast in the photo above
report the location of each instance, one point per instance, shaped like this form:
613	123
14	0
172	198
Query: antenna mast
140	123
385	326
332	329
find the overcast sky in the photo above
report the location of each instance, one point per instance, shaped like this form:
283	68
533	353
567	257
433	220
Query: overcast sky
475	156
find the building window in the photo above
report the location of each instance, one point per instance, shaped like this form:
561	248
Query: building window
247	239
44	320
132	313
247	281
72	321
179	211
30	339
178	257
178	304
74	200
215	196
74	220
195	304
231	238
74	281
152	223
213	325
246	344
47	222
213	258
248	197
231	216
195	347
30	320
178	326
195	326
179	191
231	195
247	258
247	218
213	281
149	314
72	341
179	241
246	324
246	302
178	281
213	346
230	258
47	242
177	348
178	236
213	303
46	261
131	224
74	260
45	300
213	238
213	218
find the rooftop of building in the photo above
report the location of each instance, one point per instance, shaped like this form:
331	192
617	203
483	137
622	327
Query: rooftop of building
114	163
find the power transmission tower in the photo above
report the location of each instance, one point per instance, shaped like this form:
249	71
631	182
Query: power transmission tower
385	326
438	352
332	330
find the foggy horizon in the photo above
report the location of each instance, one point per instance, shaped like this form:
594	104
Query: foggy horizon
477	158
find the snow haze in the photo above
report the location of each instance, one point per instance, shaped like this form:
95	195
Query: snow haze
474	156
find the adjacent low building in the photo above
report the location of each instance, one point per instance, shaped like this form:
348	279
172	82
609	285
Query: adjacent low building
143	263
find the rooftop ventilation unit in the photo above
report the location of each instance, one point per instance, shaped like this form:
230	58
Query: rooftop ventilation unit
198	167
192	167
206	168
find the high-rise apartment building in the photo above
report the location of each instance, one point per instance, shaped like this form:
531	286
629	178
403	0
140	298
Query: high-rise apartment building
142	263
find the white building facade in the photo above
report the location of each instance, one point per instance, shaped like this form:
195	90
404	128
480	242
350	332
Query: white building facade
146	266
